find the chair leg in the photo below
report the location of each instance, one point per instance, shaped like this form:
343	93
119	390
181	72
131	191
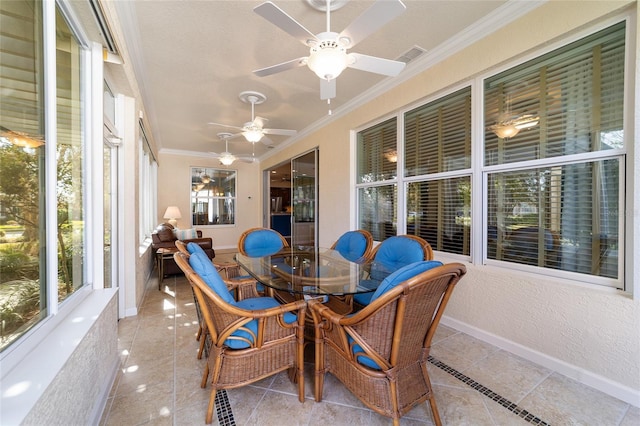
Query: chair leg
205	376
211	406
203	339
434	410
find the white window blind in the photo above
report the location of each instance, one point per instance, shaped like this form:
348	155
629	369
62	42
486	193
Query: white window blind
438	150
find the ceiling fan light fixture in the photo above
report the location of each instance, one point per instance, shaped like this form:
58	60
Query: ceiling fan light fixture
526	121
227	159
252	135
505	130
328	59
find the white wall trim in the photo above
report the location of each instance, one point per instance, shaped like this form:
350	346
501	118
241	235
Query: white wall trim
614	389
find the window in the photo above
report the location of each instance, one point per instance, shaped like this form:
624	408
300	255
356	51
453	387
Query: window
30	289
550	183
213	196
554	187
437	163
377	159
148	169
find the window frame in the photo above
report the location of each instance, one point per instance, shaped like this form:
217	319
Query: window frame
91	95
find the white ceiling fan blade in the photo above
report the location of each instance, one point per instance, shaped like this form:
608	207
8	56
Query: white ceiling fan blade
246	159
214	154
376	65
372	19
281	132
282	20
265	140
327	89
260	121
225	125
284	66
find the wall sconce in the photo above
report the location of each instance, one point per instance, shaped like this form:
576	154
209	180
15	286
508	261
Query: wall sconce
172	213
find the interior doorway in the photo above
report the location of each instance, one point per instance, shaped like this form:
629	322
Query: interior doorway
291	200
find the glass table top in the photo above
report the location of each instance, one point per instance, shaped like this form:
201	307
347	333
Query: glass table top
313	271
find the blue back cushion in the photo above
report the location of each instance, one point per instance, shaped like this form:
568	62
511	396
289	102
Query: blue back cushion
404	274
394	253
202	266
263	242
254	304
195	248
351	245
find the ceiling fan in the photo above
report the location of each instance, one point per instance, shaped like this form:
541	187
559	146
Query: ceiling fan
328	55
254	131
227	158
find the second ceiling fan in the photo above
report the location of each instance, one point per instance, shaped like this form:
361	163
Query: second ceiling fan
254	130
328	55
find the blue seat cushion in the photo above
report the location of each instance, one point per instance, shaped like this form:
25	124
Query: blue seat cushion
394	253
362	359
254	304
202	266
351	245
263	242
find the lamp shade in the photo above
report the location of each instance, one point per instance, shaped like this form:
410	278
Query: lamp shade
172	213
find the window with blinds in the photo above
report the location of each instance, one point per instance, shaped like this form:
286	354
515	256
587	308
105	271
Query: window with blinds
377	159
554	179
437	136
377	152
437	149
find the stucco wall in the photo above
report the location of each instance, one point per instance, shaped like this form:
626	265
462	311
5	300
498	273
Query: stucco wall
587	333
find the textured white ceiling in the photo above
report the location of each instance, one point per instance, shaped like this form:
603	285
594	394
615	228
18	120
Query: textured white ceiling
195	57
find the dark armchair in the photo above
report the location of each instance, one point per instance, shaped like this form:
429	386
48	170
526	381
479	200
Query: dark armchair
163	237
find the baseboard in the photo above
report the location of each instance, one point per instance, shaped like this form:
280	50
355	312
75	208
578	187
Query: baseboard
603	384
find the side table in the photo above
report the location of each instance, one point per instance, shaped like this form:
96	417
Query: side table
161	255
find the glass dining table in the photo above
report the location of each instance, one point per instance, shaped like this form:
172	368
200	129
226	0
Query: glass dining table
313	271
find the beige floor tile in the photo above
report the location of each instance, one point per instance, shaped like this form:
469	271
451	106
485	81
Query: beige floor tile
562	401
461	351
502	416
507	375
245	400
288	411
461	407
333	414
142	406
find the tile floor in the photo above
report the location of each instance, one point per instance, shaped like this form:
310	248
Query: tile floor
475	383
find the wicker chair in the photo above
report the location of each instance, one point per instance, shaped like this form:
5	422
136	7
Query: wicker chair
380	352
243	288
390	255
251	339
355	245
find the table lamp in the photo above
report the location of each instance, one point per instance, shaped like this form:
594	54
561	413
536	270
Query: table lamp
173	213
